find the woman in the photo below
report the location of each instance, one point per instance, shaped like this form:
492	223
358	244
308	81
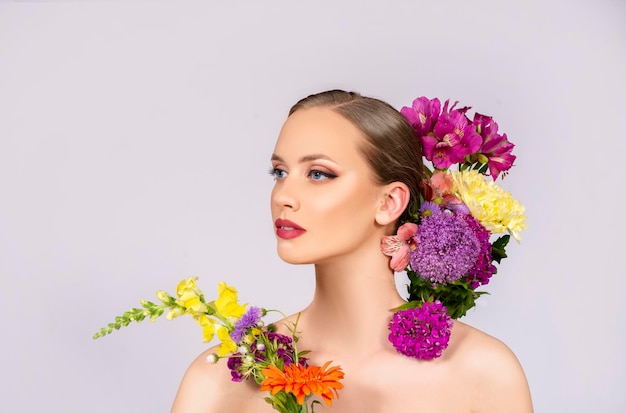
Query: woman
345	173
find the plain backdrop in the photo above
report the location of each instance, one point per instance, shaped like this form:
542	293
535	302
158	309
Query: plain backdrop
135	139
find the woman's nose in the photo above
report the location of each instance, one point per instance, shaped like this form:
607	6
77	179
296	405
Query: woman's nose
284	194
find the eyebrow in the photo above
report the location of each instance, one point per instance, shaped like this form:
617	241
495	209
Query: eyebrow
305	158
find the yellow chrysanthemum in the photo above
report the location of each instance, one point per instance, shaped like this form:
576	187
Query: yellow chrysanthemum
489	203
228	345
226	303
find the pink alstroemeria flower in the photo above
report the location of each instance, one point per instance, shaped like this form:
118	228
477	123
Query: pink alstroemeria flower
453	138
435	186
399	246
495	147
438	189
441	182
422	115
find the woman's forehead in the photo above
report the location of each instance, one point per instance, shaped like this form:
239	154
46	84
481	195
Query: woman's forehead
318	131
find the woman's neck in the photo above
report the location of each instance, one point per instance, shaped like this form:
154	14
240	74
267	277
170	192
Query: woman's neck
351	306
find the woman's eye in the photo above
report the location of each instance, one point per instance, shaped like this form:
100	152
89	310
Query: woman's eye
277	173
321	176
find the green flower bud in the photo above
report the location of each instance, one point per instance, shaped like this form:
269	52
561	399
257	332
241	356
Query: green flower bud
163	296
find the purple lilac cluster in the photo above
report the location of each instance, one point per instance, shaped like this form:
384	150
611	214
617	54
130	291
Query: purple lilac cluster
482	270
446	247
234	365
250	319
421	332
283	346
278	344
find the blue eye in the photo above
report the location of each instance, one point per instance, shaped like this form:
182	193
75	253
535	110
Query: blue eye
277	173
316	175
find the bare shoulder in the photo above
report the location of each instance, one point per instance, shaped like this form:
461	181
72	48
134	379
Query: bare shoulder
493	371
200	385
207	388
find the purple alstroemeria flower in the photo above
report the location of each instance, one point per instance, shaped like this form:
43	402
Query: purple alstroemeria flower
422	115
453	138
495	147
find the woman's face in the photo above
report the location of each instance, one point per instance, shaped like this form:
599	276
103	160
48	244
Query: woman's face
325	197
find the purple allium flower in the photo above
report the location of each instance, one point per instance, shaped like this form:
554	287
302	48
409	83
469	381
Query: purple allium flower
250	319
421	333
446	248
482	270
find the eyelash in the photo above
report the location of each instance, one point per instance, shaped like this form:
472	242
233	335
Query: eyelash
275	172
326	175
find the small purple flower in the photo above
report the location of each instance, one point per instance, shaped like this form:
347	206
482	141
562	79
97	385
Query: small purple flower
422	332
428	208
249	319
284	348
454	204
268	345
234	363
447	248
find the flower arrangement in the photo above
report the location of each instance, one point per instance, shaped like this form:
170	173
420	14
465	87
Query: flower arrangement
253	349
446	245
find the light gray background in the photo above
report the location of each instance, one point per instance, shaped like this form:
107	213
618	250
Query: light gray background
135	139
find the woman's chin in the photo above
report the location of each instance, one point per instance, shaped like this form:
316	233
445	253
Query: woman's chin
293	257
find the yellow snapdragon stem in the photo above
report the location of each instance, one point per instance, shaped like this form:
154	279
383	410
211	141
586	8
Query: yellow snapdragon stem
208	327
228	345
226	303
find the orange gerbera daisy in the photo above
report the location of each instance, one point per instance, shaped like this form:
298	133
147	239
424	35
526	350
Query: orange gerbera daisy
302	381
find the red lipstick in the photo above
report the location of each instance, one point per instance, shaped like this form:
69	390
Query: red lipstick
288	230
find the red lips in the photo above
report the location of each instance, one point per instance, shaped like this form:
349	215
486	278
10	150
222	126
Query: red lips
288	230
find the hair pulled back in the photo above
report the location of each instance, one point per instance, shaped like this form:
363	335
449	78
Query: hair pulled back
391	147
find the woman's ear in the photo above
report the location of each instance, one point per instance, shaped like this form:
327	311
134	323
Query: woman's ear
394	199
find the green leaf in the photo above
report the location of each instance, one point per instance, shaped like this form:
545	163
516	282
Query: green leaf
458	297
498	248
407	305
